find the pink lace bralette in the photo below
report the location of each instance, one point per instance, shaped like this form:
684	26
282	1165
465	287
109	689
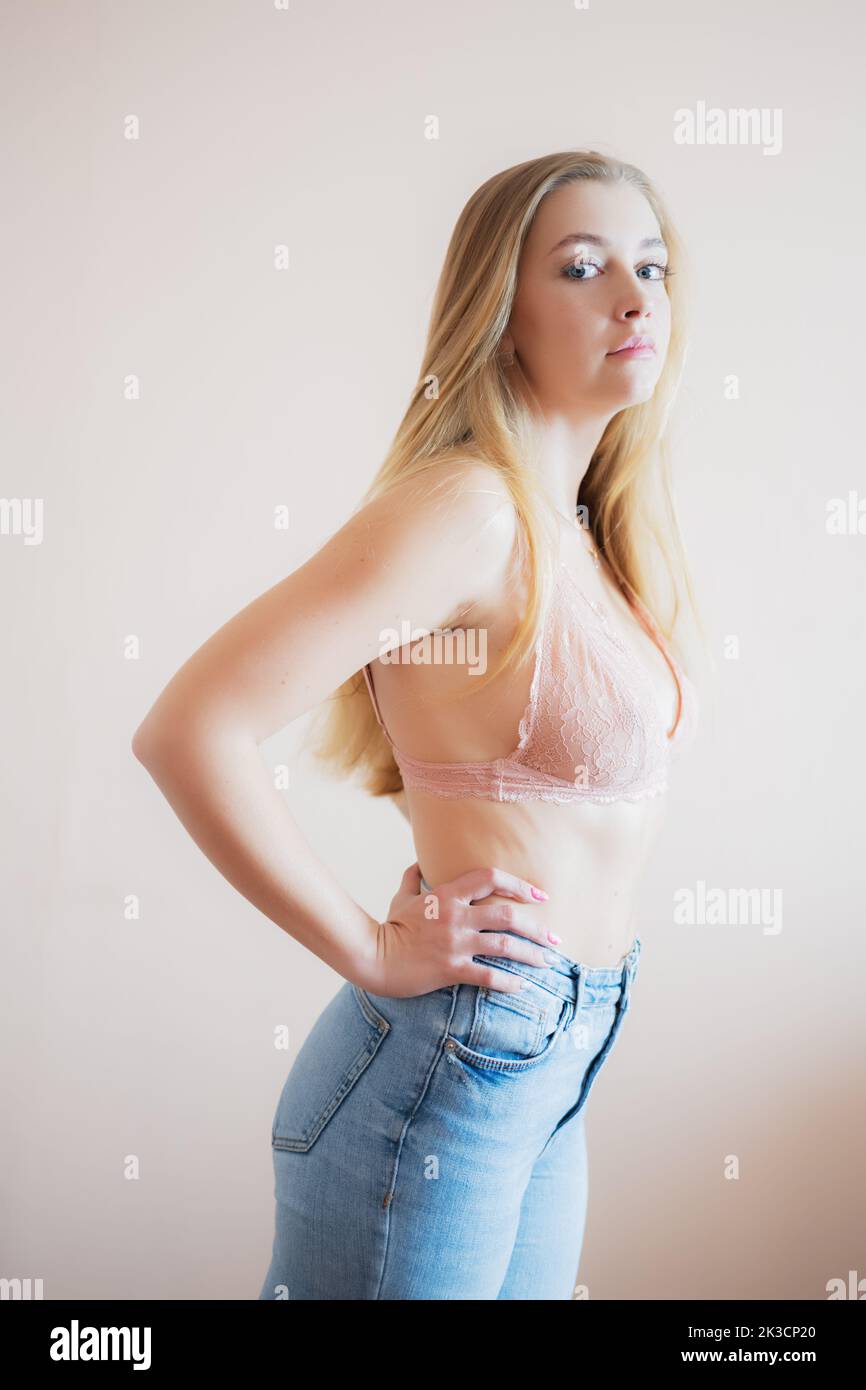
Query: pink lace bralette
592	730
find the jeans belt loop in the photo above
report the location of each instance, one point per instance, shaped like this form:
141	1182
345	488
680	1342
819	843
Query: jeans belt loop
578	1003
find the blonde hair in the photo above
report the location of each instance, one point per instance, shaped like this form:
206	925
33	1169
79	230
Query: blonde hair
464	409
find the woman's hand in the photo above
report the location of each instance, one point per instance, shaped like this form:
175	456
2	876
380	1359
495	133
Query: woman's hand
426	945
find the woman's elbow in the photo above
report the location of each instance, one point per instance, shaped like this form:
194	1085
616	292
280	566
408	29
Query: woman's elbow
159	732
166	735
147	740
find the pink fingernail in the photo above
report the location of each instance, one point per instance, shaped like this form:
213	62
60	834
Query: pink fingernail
539	893
551	936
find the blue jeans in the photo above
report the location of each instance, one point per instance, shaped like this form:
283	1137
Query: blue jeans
434	1147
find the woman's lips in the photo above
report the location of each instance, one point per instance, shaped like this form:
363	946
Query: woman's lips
634	352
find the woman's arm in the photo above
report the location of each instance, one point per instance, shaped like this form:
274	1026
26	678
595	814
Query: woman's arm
410	554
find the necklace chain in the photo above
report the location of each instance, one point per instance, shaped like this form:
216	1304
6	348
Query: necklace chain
589	545
586	533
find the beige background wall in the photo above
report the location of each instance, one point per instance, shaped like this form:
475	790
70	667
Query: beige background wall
154	257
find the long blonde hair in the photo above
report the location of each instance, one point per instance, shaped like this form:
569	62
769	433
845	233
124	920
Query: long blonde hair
464	408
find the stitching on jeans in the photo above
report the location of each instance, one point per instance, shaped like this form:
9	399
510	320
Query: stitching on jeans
392	1186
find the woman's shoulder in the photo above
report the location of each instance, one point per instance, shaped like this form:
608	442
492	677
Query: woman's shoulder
453	514
453	482
455	509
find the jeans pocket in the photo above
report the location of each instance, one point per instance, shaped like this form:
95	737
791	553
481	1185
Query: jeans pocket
341	1045
511	1032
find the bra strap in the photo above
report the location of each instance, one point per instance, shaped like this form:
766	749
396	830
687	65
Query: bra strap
378	713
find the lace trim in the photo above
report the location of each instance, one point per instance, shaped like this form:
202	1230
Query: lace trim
562	796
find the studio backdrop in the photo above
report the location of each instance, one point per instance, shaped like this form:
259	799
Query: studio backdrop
222	229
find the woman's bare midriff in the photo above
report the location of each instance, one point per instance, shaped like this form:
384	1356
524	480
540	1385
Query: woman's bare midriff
589	857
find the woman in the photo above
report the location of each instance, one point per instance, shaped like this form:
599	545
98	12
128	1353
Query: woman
428	1142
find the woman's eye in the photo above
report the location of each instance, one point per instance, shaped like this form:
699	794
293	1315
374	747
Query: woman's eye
662	269
579	265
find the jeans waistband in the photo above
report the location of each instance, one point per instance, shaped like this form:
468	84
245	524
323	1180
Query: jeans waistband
599	977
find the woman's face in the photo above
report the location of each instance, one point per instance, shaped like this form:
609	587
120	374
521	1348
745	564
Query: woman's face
587	281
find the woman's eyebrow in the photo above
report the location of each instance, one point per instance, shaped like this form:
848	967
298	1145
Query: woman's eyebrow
602	241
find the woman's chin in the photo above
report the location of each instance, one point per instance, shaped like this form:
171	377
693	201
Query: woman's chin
635	393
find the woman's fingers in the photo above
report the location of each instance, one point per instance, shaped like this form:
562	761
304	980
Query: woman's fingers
488	977
495	914
498	943
486	921
480	883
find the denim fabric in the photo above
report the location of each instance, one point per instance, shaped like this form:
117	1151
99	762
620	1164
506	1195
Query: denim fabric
434	1147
